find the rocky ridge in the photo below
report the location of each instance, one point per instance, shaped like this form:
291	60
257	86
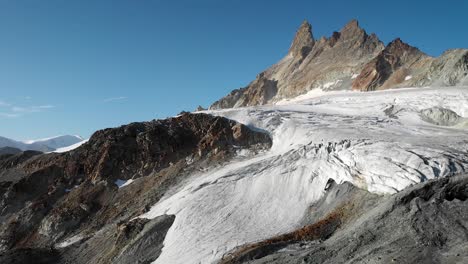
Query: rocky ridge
348	59
55	200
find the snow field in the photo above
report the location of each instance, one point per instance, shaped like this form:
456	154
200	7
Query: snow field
374	140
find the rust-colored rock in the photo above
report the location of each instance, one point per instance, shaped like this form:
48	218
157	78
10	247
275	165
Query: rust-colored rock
396	55
309	64
334	63
48	197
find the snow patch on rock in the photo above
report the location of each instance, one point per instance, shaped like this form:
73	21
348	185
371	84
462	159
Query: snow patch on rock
71	147
122	183
331	84
69	242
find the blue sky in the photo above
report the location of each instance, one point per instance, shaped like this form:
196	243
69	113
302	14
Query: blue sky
73	67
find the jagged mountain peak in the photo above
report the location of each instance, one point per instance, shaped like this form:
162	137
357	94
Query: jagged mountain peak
334	38
303	40
351	29
403	50
305	23
348	59
352	24
390	68
398	43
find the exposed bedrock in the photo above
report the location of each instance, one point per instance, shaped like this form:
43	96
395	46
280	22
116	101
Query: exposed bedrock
397	56
63	200
426	223
136	241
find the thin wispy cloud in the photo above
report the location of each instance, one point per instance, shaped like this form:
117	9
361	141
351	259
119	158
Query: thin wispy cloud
46	106
9	115
19	109
114	99
9	110
2	103
30	109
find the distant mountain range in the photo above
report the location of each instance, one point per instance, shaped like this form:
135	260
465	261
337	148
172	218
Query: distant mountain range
9	150
348	59
44	145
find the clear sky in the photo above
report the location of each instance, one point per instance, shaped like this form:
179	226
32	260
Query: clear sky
72	67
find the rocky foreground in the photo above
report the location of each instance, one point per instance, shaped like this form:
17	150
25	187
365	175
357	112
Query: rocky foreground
426	223
70	207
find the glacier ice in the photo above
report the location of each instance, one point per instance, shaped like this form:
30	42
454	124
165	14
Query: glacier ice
375	140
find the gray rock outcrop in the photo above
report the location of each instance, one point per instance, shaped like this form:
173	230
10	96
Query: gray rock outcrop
440	116
426	223
71	207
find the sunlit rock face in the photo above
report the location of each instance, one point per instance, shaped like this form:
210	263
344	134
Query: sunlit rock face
348	59
80	206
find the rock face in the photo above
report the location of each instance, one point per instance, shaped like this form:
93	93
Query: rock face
450	69
137	149
348	59
200	108
30	256
423	224
440	116
56	200
303	41
390	67
260	91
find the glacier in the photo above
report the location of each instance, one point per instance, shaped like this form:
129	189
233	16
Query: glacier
71	147
56	142
375	140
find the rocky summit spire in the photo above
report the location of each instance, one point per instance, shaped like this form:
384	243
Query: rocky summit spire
303	41
352	24
400	48
352	29
348	56
396	57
